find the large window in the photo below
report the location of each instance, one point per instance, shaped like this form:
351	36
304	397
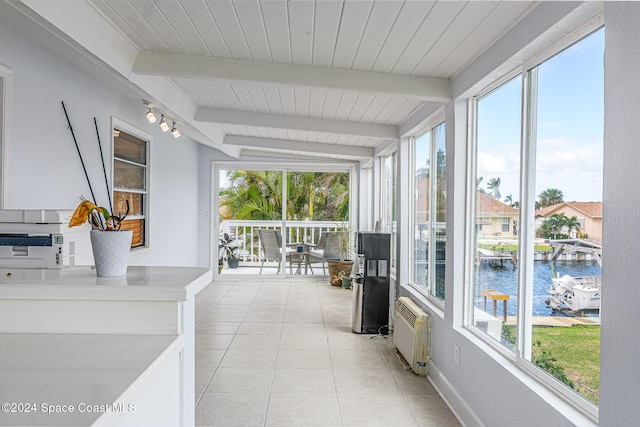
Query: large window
388	201
537	188
130	183
429	207
300	205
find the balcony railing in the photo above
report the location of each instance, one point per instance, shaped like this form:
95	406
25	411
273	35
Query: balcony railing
249	247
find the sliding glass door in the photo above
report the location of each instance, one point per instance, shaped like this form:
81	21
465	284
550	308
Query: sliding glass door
271	222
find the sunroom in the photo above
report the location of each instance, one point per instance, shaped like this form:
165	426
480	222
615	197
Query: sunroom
442	122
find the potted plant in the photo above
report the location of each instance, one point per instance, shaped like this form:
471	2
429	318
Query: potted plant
344	247
227	251
109	243
345	279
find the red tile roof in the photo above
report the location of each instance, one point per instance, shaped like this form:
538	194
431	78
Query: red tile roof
487	204
590	209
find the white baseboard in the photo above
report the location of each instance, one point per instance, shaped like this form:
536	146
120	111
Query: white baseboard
465	414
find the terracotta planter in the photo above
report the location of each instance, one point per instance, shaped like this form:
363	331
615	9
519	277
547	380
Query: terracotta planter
335	267
111	252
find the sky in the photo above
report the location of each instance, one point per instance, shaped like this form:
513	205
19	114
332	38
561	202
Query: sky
569	126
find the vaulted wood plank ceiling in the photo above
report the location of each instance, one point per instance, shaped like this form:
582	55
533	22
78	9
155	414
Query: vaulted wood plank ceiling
288	77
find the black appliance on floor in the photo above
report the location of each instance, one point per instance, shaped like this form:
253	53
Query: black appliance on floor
371	287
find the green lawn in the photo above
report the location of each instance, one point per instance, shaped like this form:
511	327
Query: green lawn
577	350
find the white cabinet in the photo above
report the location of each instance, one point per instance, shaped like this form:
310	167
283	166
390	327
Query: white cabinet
70	338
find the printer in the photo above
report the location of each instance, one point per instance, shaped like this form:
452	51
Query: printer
42	239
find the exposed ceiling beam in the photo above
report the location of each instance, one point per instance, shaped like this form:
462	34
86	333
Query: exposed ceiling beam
309	124
276	73
343	151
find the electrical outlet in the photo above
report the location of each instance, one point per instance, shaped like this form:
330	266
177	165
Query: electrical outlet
456	354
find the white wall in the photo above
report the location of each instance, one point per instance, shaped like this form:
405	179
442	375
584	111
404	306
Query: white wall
620	345
45	169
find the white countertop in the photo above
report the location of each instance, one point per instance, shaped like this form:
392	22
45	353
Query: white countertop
81	283
51	372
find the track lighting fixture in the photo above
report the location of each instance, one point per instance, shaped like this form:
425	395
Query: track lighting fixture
163	124
151	116
175	131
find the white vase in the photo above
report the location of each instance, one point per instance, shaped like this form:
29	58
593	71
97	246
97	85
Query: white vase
111	252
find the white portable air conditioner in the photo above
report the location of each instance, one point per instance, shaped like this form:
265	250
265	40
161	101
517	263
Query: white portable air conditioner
412	335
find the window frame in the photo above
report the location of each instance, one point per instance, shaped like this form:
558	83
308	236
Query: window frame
527	69
146	193
431	125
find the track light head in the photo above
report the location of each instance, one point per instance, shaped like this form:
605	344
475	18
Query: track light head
163	124
150	116
175	131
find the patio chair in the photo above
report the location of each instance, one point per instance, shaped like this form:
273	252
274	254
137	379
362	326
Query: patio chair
271	242
328	247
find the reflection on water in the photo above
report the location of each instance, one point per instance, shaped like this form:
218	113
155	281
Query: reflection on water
505	280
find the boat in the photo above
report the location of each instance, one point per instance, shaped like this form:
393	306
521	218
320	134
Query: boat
578	295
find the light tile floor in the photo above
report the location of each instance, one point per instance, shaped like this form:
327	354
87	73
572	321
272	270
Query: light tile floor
282	353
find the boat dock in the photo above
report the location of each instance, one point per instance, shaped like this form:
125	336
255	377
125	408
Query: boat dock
558	321
494	259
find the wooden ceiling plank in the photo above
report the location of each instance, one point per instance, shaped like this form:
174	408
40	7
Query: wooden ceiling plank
276	21
404	29
427	35
355	15
458	30
301	18
161	25
203	22
225	18
258	97
302	124
500	20
250	18
183	27
327	22
381	20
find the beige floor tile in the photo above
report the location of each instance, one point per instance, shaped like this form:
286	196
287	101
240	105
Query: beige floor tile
302	328
412	383
431	411
292	381
243	358
282	353
213	341
375	410
303	342
303	359
338	328
232	409
352	382
260	328
222	328
303	410
206	358
241	380
255	342
358	360
300	315
352	341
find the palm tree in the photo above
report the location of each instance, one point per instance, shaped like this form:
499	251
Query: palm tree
257	195
509	200
573	223
494	186
550	196
554	224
